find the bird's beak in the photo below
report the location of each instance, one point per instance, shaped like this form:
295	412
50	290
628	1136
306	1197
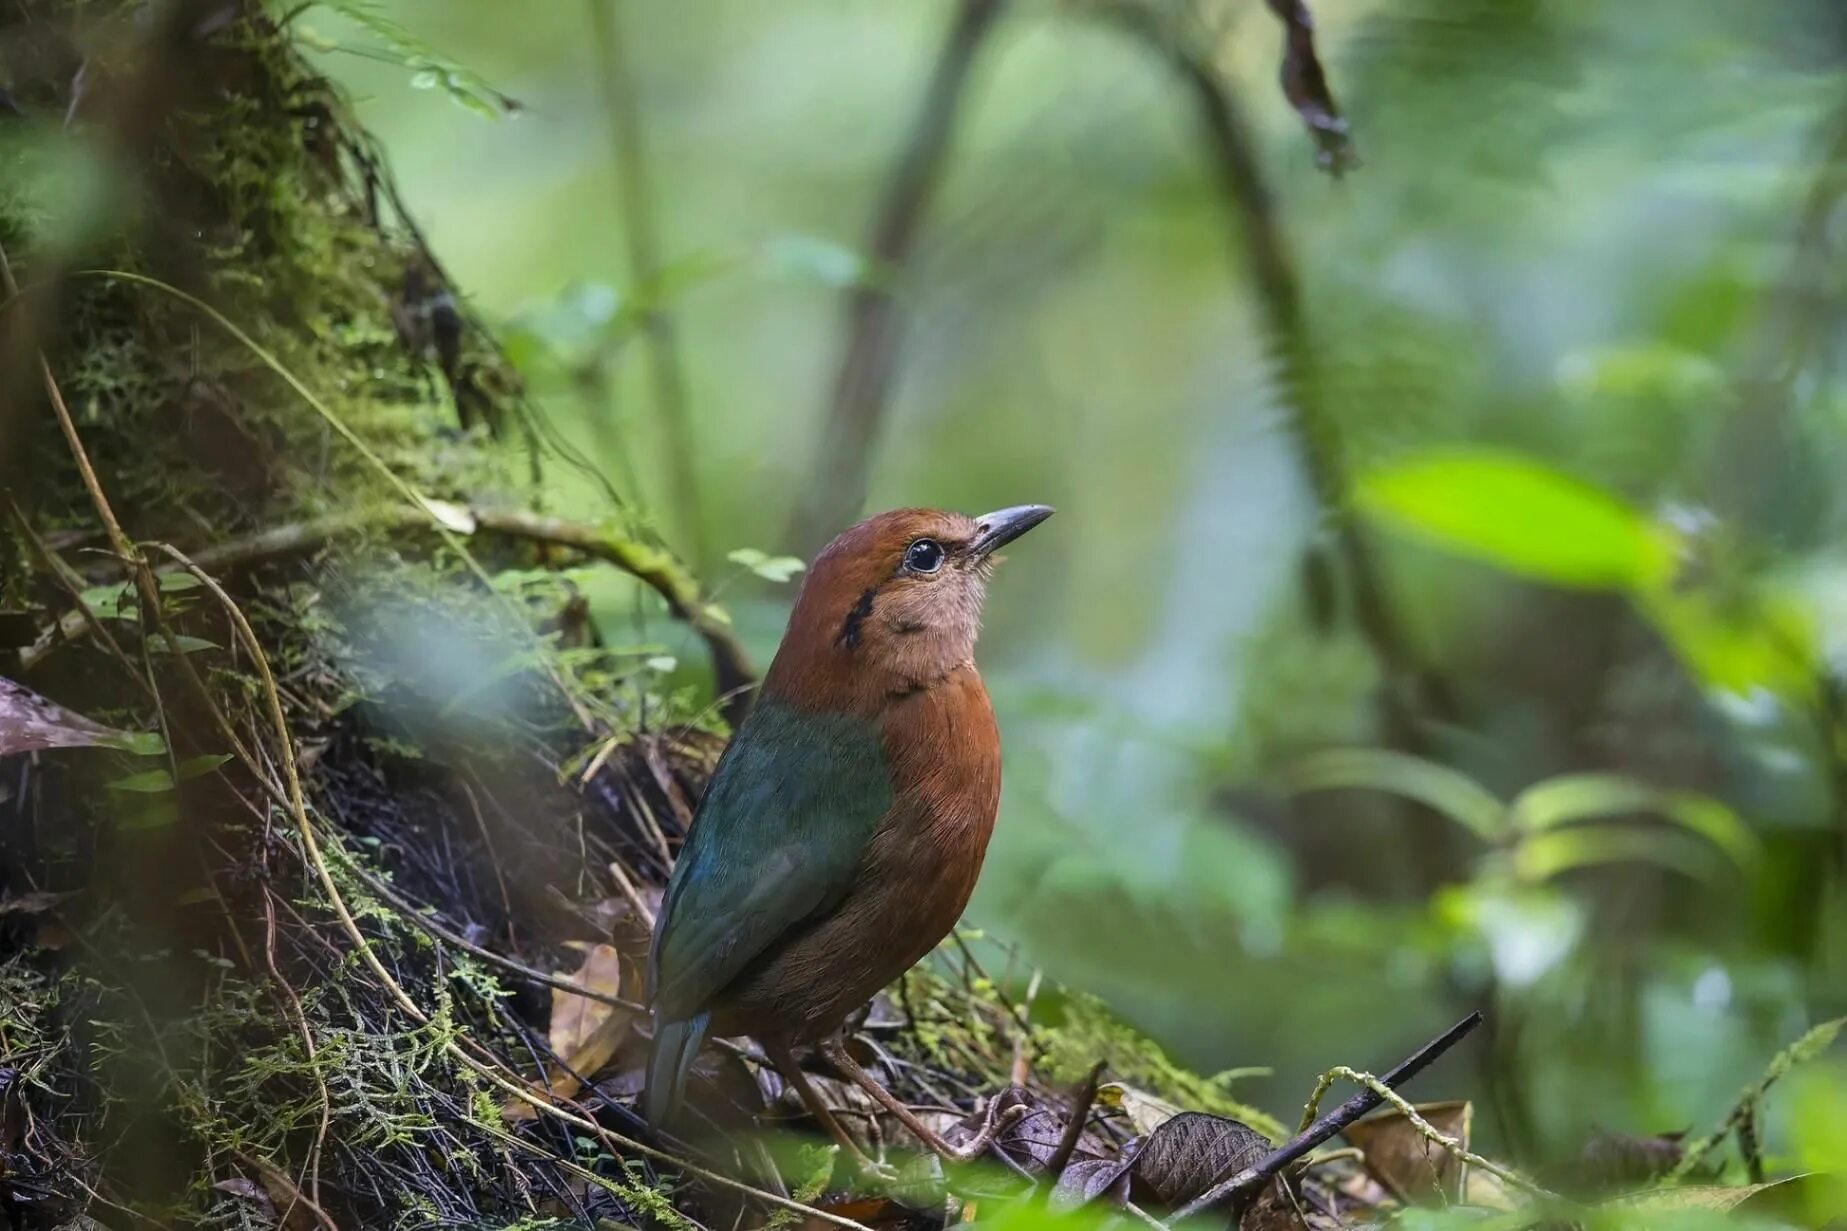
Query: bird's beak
1002	526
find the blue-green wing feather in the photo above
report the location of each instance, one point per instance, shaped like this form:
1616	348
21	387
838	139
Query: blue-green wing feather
778	838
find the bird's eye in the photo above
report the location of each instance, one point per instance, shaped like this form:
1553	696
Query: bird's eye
924	556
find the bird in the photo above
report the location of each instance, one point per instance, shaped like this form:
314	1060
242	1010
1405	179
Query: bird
844	827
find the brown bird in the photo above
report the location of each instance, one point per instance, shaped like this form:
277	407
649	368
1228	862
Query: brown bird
842	832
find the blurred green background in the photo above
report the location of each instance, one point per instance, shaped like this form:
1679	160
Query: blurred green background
1571	327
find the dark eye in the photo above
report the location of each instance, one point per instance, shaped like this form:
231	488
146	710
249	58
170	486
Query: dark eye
924	556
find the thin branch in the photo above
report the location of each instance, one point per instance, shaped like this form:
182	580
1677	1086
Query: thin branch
869	358
620	101
651	565
1251	1180
1081	1102
1262	244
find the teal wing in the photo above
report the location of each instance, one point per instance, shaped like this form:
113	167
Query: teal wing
778	838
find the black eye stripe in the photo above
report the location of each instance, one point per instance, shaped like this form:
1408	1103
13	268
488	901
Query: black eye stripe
924	556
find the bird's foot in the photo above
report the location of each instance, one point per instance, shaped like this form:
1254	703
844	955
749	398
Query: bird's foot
997	1121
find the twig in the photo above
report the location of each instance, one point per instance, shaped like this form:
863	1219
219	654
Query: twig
1428	1131
307	1042
1081	1101
616	78
1810	1045
280	1178
368	956
652	566
631	894
1251	1180
413	915
869	358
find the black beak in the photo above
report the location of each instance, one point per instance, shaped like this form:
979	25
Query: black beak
1002	526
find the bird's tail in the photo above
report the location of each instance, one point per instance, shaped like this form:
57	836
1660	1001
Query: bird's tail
670	1059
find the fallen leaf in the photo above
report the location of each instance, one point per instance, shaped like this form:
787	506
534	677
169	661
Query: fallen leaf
1612	1162
28	723
1145	1111
575	1018
584	1033
1188	1154
1400	1157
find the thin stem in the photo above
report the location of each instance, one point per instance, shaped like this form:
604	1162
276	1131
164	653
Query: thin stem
1248	1182
868	362
1263	246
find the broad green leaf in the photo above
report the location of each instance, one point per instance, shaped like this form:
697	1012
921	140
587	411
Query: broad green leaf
154	781
1548	853
1571	798
147	782
1524	517
1438	787
1769	642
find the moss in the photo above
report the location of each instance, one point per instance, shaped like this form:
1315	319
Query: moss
1086	1032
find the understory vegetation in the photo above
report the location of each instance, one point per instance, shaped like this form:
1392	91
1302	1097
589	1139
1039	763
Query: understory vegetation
366	641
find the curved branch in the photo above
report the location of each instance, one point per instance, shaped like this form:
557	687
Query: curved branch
653	566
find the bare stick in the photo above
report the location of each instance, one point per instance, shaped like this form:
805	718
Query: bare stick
869	359
1251	1180
654	567
1081	1102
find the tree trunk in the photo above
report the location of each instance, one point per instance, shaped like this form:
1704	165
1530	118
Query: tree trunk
228	336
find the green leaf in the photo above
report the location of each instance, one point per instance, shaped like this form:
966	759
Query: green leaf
1551	852
147	812
147	782
770	568
179	643
194	767
154	781
1572	798
1438	787
1524	517
114	602
1767	641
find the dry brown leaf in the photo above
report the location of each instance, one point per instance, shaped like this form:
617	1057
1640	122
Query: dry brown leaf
584	1033
1413	1167
575	1018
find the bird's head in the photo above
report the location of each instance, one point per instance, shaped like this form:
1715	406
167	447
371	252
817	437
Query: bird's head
893	604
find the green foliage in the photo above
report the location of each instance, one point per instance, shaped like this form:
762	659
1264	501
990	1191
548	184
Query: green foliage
1524	517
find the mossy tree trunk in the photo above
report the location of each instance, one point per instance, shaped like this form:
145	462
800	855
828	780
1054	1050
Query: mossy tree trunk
223	311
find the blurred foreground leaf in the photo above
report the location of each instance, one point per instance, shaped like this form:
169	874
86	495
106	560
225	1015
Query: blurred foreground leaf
28	722
1523	516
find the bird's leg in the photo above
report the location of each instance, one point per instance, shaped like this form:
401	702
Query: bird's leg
836	1052
785	1063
